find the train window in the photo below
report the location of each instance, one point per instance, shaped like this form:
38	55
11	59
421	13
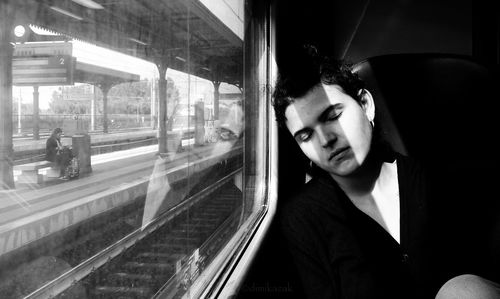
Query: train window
134	145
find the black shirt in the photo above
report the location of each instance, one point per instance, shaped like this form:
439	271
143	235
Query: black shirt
51	149
340	252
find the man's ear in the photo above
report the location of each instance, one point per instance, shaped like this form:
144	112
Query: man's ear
367	103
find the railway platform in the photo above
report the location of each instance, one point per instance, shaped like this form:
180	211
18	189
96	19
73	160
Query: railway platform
25	144
34	211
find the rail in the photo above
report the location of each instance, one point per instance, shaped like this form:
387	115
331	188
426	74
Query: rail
168	290
77	273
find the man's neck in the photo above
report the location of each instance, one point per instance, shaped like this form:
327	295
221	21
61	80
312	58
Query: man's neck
375	192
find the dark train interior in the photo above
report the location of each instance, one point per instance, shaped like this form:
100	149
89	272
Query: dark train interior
415	55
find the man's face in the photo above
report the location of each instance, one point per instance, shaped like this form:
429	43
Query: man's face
331	128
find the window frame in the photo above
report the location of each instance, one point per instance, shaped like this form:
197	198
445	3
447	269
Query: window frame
230	279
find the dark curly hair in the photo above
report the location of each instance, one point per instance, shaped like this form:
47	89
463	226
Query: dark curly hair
311	69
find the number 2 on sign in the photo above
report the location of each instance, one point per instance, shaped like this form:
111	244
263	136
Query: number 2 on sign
61	60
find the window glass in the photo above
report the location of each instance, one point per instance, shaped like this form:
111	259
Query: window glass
130	156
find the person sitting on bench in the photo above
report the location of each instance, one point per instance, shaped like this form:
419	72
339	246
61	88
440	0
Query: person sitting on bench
56	152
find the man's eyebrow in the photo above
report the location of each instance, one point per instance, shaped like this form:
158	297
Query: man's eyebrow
326	113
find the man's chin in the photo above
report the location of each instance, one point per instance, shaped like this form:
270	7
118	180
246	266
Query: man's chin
344	168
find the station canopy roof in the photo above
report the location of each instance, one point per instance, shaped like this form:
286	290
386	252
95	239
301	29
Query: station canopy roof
181	34
93	74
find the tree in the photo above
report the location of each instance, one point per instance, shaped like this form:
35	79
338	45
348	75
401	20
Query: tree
59	105
128	98
125	98
173	100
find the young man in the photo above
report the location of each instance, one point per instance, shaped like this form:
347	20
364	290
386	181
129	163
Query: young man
360	227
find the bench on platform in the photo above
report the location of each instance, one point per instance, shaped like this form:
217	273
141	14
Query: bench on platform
29	171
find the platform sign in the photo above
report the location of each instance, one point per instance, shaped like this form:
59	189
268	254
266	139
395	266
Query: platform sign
43	70
78	93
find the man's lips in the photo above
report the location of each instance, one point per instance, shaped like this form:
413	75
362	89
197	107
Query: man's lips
336	152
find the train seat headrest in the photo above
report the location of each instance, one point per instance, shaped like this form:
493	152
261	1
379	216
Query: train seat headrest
431	104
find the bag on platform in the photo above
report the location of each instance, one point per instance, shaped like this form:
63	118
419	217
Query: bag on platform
73	169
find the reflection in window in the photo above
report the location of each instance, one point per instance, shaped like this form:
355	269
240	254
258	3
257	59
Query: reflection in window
150	98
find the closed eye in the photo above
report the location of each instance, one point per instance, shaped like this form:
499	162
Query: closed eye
331	113
303	135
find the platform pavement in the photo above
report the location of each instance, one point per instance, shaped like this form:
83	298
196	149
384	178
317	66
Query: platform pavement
32	144
104	168
27	193
30	214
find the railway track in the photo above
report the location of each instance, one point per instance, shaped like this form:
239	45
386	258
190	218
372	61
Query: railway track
165	256
59	260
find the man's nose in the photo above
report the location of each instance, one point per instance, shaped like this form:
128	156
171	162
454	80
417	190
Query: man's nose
327	136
